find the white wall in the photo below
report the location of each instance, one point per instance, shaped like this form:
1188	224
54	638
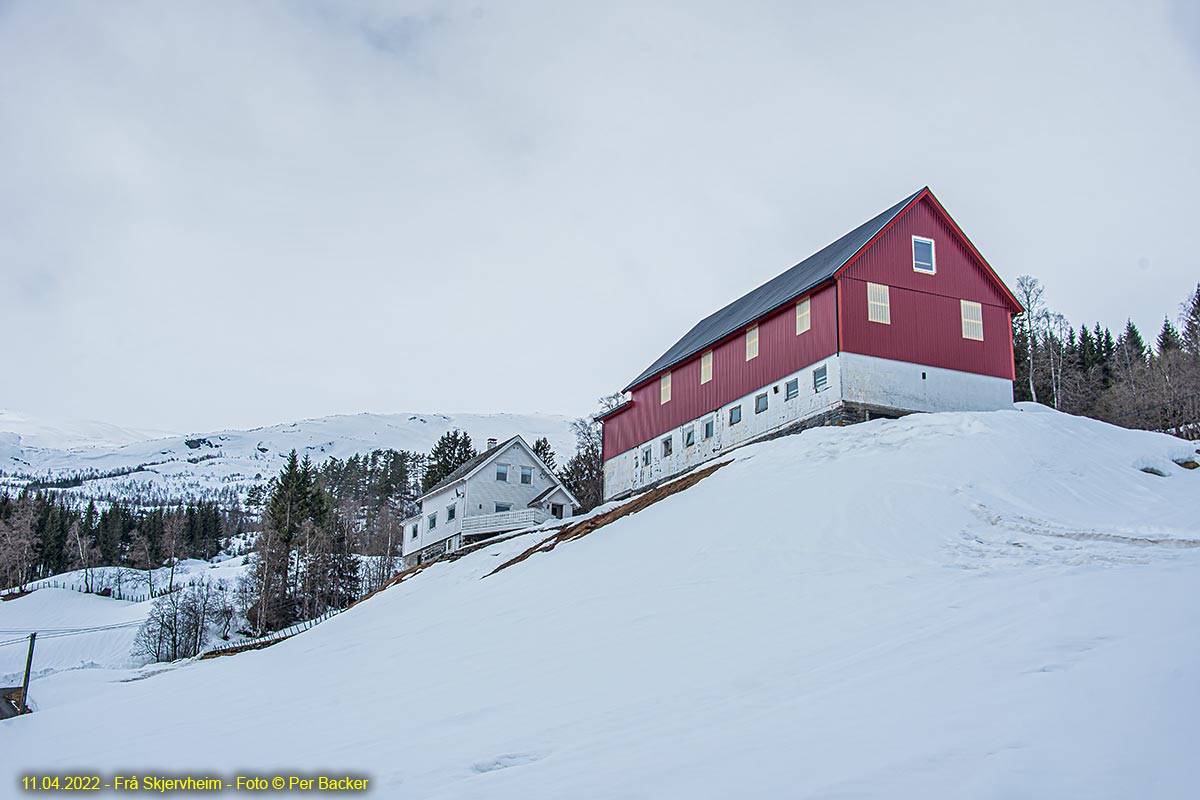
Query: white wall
915	387
484	491
437	502
626	471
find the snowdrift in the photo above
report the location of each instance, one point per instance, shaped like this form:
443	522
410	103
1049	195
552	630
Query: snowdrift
951	605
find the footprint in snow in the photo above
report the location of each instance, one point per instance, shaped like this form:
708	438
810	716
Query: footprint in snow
504	762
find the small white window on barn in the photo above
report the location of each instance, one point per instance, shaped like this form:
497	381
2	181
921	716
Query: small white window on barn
803	316
793	389
667	445
879	307
502	472
527	475
735	415
450	509
972	320
689	436
752	343
760	403
820	378
646	456
709	424
706	367
433	520
502	507
664	388
923	260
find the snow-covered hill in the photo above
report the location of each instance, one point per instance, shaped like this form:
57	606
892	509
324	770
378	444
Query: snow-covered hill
120	464
948	605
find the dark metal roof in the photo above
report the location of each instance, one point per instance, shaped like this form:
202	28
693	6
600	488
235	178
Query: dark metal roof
814	270
469	466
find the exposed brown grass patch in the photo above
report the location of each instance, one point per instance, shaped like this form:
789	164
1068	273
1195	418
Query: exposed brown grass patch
581	529
1188	464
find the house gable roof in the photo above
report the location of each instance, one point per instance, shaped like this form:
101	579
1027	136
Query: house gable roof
808	274
557	487
470	467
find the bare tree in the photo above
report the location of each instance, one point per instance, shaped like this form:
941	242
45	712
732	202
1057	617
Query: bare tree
1030	293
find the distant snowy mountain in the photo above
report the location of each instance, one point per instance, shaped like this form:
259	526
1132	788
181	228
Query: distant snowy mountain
100	461
22	430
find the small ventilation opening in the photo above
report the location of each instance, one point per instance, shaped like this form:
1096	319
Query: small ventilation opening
922	376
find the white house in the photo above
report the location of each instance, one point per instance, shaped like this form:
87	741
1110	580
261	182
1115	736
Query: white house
505	488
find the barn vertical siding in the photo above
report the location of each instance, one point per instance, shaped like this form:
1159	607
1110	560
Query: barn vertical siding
780	352
926	322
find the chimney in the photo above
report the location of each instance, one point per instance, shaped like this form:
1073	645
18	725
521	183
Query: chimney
492	444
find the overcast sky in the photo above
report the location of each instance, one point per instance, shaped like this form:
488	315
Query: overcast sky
232	214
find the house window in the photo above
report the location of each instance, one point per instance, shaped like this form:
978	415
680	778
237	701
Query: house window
433	520
760	403
735	415
793	389
502	507
556	510
708	427
526	475
664	388
972	320
450	512
752	343
706	367
879	308
820	379
923	260
689	436
502	472
803	316
413	532
646	456
667	445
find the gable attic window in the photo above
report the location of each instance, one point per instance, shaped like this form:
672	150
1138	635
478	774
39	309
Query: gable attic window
879	307
820	378
752	343
667	445
527	475
760	404
735	415
689	436
664	388
972	320
803	316
502	472
923	259
706	367
646	456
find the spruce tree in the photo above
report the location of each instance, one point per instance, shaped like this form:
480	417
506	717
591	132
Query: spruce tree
1189	323
1168	339
543	450
451	451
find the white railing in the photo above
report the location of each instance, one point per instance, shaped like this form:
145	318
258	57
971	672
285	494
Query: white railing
503	521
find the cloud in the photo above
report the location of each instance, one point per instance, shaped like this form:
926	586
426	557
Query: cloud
252	212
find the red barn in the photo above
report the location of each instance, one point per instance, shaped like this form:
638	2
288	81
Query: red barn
901	314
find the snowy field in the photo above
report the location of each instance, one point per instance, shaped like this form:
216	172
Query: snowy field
198	466
977	605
